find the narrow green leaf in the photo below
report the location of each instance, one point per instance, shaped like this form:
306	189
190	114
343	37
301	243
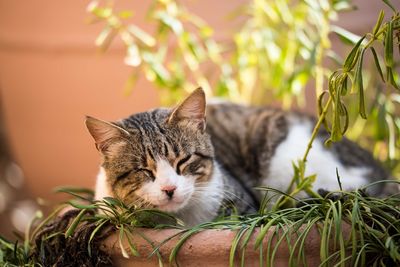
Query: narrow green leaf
345	34
179	244
378	23
390	77
343	84
132	246
358	85
71	229
389	4
346	118
121	245
352	56
388	54
235	244
81	206
336	124
98	227
378	66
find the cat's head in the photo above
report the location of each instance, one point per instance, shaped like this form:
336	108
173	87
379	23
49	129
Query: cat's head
157	158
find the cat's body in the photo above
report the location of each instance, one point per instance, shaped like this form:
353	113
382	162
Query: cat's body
171	160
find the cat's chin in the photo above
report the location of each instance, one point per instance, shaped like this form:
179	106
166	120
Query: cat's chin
171	206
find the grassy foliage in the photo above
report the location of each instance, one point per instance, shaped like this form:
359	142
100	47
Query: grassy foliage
355	230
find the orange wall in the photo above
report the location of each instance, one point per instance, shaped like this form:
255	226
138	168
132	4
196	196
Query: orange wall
51	76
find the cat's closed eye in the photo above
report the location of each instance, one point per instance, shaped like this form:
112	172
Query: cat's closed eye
179	165
146	172
123	175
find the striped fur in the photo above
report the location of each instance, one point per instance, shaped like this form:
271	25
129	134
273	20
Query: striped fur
216	166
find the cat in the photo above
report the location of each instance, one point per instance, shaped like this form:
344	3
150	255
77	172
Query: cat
176	161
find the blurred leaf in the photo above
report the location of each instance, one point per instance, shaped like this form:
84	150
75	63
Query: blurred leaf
105	38
133	57
389	45
120	239
352	58
377	64
390	77
389	4
358	85
125	14
101	12
71	229
346	35
142	35
378	23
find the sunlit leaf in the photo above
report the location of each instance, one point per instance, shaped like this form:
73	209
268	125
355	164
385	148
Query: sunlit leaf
358	85
390	77
352	58
142	35
105	38
378	23
377	64
389	4
389	45
125	14
133	57
346	35
71	229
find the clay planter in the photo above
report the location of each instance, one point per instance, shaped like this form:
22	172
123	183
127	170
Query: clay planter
209	248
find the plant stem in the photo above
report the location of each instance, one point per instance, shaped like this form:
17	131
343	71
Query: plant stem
316	128
313	136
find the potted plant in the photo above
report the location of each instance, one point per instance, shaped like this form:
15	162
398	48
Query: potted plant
342	228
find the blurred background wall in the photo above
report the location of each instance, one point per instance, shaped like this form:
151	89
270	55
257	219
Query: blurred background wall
51	76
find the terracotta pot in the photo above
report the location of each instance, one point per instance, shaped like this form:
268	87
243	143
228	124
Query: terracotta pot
210	248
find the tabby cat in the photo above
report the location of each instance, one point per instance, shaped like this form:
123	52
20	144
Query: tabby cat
175	161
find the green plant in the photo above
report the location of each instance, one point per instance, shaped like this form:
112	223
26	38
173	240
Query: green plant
372	235
355	230
277	51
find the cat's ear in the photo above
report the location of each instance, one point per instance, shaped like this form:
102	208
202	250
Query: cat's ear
191	110
104	132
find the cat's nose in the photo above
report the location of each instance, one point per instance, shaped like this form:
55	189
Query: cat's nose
169	190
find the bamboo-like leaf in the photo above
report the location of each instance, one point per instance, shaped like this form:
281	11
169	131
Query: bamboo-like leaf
343	82
121	245
377	64
358	85
352	57
345	34
105	38
71	229
378	23
390	77
132	246
388	55
98	227
336	124
234	246
389	4
82	206
141	35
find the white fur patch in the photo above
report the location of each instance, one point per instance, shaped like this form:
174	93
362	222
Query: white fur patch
205	202
320	161
102	187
